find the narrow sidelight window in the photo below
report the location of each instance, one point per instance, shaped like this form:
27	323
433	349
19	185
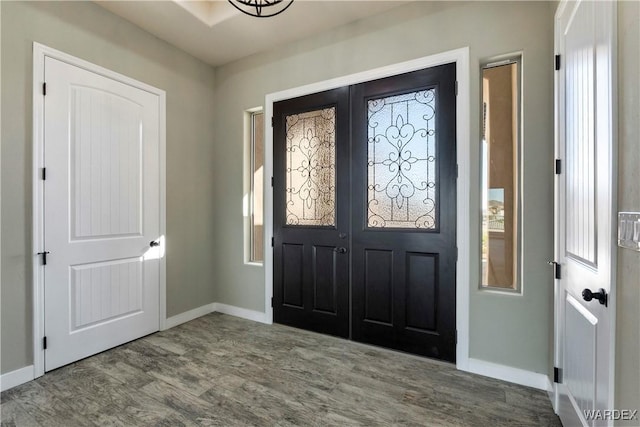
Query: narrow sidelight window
256	239
500	156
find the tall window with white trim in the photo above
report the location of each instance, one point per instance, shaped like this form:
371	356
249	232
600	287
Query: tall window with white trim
501	195
257	184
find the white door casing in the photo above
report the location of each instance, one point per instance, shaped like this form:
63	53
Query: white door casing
585	204
102	203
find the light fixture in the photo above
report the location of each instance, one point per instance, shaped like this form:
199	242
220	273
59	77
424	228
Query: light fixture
261	8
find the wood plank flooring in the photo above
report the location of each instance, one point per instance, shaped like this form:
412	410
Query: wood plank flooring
219	370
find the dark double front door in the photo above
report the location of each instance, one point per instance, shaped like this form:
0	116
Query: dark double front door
365	212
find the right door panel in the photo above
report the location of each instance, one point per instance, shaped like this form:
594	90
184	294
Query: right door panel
404	212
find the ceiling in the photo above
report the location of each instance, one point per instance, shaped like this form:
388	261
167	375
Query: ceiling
215	32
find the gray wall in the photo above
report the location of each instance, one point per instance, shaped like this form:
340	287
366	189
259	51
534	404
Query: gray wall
511	330
628	285
88	31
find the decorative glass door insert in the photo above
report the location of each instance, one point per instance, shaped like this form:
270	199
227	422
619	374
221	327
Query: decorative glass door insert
311	168
401	163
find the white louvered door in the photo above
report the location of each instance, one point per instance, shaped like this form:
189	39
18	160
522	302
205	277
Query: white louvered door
101	210
584	233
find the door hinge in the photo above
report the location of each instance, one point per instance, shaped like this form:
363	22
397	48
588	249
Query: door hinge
557	271
272	181
457	171
44	343
557	375
557	64
272	242
273	121
271	301
558	166
44	89
44	257
456	88
44	174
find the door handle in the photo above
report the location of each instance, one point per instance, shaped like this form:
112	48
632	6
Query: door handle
340	250
154	243
601	296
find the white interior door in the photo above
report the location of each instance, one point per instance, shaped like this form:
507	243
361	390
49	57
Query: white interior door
101	211
585	196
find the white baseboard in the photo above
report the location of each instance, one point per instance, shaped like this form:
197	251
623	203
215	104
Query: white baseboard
244	313
549	386
509	374
17	377
187	316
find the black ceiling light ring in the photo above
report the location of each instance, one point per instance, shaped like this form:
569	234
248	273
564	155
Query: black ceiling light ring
261	8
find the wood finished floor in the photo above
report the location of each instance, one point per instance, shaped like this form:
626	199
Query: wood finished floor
219	370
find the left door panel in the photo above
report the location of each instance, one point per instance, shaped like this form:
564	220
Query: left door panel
101	210
311	212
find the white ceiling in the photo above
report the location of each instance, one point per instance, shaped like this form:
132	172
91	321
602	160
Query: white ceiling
215	32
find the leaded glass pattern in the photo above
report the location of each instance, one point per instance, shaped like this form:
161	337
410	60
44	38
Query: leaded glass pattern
401	164
311	168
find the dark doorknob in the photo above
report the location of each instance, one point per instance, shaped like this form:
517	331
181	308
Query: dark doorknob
601	296
154	243
340	250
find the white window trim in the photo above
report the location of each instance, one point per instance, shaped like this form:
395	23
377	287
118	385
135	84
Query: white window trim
461	58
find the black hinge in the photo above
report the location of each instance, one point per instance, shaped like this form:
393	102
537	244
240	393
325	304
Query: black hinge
44	257
272	181
557	62
44	89
272	242
273	120
271	301
558	166
557	375
44	343
44	174
456	88
457	171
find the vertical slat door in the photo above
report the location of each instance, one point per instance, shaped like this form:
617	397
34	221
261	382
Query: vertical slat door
585	193
101	213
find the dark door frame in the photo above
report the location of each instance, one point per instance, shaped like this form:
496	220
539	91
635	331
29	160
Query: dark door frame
461	58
